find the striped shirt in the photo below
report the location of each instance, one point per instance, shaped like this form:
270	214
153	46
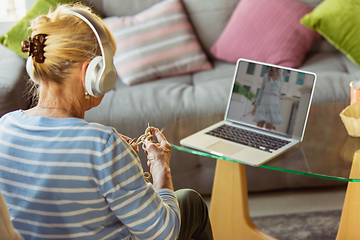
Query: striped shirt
68	179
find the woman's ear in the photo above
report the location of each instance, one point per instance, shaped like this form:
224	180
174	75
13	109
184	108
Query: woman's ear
83	72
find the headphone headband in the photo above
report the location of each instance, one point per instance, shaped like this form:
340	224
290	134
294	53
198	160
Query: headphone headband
101	73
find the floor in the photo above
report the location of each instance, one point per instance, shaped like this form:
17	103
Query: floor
294	201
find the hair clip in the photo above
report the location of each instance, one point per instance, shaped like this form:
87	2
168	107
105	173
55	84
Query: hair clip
35	47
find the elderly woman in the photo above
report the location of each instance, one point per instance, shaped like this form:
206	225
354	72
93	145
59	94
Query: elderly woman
65	178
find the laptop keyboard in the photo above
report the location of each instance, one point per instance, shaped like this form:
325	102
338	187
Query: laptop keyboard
249	138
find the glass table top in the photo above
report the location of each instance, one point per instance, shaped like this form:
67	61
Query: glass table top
326	151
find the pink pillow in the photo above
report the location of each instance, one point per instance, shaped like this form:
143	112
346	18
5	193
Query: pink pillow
158	42
267	31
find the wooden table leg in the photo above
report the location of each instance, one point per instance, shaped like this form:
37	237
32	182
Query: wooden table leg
350	216
229	209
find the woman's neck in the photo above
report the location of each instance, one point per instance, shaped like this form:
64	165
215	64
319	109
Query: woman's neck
57	112
59	102
274	77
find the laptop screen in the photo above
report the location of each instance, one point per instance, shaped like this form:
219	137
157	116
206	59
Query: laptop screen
271	97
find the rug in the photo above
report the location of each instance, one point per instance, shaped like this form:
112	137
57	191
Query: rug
301	226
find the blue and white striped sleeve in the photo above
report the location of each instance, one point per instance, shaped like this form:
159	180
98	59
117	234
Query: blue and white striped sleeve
146	213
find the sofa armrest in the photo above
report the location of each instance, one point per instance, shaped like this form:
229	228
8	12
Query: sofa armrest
13	81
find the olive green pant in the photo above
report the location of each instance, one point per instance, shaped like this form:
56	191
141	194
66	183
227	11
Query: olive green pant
195	221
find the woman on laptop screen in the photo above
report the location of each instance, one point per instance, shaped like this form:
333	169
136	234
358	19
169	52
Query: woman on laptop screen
266	110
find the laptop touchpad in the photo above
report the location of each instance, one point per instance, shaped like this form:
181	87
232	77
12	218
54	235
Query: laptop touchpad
225	148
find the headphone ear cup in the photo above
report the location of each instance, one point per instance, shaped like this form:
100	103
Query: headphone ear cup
30	69
92	76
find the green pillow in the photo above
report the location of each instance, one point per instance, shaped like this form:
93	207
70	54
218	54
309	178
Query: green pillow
20	32
338	21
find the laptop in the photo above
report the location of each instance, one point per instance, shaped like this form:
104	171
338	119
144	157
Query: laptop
265	116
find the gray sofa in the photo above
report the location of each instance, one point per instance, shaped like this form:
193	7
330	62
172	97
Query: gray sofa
161	102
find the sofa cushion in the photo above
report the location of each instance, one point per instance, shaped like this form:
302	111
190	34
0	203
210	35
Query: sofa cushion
20	32
267	31
155	43
338	22
12	82
209	20
334	73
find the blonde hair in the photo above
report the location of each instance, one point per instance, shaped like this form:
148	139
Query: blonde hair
69	41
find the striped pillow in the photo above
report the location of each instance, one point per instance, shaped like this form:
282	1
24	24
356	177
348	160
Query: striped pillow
158	42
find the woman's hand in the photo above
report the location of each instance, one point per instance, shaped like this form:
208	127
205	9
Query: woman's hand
159	160
128	140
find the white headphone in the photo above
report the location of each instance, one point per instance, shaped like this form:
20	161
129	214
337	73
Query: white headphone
100	74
